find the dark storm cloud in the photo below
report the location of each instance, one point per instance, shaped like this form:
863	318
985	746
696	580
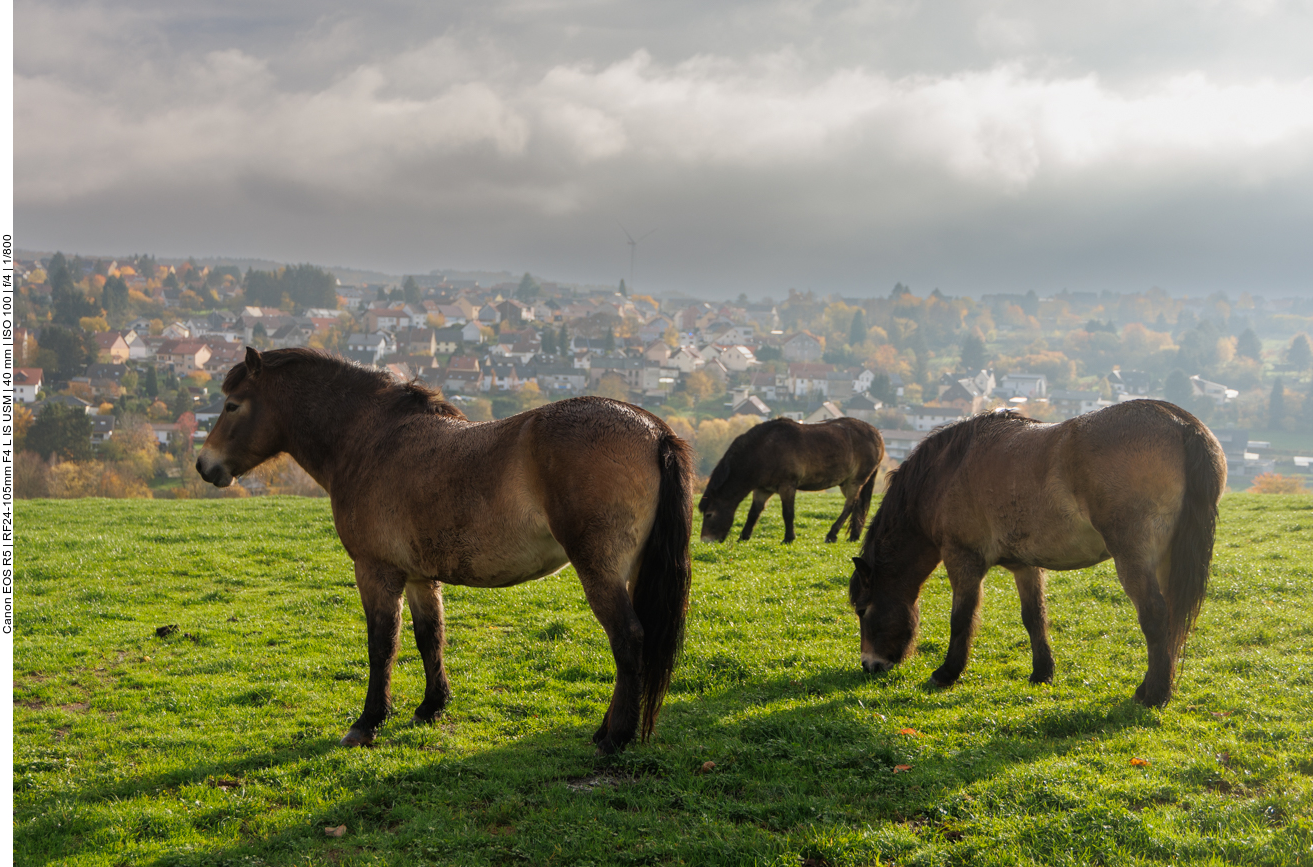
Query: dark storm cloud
971	146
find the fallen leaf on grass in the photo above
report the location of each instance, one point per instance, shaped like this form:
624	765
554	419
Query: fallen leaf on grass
898	769
913	732
1139	762
335	832
1220	713
707	767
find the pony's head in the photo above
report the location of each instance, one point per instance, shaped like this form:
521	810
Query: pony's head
717	506
888	617
244	436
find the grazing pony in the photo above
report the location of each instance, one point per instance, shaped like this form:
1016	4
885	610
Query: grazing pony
782	457
1138	482
422	496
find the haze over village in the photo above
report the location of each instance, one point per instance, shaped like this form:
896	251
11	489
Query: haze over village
120	359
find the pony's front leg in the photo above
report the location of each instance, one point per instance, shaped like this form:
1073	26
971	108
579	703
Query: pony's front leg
1035	617
380	588
425	598
966	571
759	499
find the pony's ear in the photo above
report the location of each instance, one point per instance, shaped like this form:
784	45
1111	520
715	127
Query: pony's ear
862	570
253	362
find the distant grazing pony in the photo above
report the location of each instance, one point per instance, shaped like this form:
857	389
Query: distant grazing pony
422	496
1138	482
782	457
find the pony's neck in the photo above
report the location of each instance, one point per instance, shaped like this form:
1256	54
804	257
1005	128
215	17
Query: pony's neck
901	552
319	423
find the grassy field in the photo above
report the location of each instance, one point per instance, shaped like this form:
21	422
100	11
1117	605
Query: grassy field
216	744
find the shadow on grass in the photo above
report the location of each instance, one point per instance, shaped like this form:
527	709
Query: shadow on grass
545	796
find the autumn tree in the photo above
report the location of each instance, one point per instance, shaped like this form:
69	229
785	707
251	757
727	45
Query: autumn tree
61	431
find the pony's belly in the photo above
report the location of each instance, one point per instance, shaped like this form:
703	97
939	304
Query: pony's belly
505	566
1077	548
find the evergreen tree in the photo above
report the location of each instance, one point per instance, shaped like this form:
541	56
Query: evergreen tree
1276	405
61	430
528	288
410	288
65	352
609	344
857	332
1177	389
114	298
1249	346
974	354
152	382
68	303
1300	353
182	402
623	289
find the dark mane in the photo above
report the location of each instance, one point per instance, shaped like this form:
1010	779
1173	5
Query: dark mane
349	377
936	456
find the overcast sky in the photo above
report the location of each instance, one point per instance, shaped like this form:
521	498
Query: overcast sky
835	146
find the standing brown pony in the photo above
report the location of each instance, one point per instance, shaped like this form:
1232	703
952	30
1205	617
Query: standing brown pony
421	496
1138	482
783	457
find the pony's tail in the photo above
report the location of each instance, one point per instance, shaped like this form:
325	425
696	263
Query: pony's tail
1192	542
864	499
661	591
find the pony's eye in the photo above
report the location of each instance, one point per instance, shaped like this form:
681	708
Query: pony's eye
230	407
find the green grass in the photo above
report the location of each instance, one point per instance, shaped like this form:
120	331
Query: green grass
216	745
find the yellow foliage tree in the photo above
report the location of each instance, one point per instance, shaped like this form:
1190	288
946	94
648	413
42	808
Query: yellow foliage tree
714	436
1273	483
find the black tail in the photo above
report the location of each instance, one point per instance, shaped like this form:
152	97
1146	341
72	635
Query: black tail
1192	543
864	504
661	591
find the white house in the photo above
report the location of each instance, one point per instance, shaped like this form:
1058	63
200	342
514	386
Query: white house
738	358
27	382
924	418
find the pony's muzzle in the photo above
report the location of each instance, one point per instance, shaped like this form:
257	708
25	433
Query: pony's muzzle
873	664
212	471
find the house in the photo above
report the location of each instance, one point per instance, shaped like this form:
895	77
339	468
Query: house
925	418
368	348
488	315
898	444
862	406
471	333
738	358
685	359
417	341
102	428
1241	460
27	382
462	375
1032	386
809	378
963	394
1214	391
111	346
1074	403
1134	382
561	378
802	347
183	357
639	374
752	405
826	411
447	340
514	312
391	318
839	385
224	355
769	385
176	331
500	376
658	351
290	334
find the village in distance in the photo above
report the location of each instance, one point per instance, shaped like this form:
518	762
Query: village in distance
118	361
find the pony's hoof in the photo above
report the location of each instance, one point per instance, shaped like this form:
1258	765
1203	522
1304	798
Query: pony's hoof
357	738
421	720
1038	678
1152	698
831	539
943	679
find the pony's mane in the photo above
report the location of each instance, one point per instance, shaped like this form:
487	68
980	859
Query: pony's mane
937	456
350	377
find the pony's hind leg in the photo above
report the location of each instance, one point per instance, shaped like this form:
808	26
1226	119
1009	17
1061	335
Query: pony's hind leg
786	506
380	593
966	571
1140	581
609	600
1035	617
759	499
850	493
425	598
